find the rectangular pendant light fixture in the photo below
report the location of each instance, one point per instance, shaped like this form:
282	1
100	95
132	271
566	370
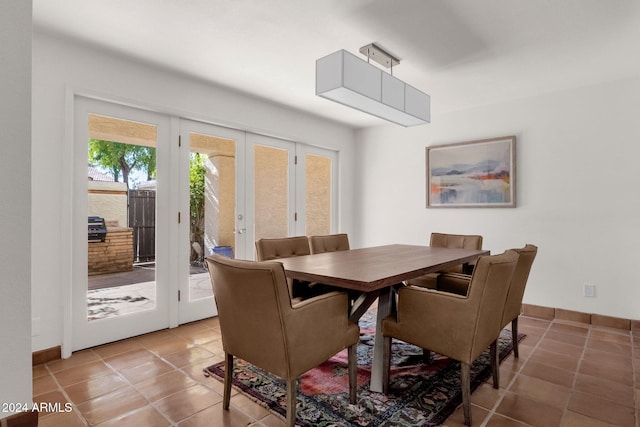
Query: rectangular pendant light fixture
343	77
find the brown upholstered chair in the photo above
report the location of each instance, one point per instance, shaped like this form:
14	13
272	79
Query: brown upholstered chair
441	240
459	284
460	327
260	325
271	249
329	243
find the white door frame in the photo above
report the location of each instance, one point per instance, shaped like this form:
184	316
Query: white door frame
190	311
85	333
252	140
301	179
73	224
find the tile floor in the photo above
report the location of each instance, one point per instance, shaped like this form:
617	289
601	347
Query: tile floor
568	374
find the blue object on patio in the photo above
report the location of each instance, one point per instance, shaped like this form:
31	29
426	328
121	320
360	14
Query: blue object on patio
222	250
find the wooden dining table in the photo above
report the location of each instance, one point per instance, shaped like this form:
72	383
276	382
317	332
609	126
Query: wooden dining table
371	274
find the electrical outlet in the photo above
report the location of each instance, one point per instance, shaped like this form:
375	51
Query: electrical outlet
589	290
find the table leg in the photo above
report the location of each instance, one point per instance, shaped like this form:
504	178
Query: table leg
362	304
385	308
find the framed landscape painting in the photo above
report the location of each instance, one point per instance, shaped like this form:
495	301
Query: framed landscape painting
473	174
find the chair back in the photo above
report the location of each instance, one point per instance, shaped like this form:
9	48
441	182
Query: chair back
487	297
458	241
253	304
329	243
519	282
268	249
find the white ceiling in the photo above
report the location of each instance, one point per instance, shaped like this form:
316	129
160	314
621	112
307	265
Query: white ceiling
463	53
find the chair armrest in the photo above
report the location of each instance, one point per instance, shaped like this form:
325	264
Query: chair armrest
440	321
456	283
317	328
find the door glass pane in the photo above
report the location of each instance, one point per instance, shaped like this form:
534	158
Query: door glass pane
318	195
121	217
271	192
212	190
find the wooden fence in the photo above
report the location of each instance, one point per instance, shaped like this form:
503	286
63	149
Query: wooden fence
142	218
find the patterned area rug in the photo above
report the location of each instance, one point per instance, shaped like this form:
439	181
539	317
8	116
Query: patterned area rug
421	394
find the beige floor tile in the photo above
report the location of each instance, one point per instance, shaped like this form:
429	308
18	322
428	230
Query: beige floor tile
56	400
573	351
201	336
44	384
248	406
549	373
608	358
485	396
573	419
613	372
270	421
164	385
605	388
39	371
82	373
498	420
87	390
217	416
130	359
478	415
189	357
561	361
188	402
116	348
146	416
58	419
168	346
567	338
146	371
541	391
609	347
78	358
111	405
601	409
530	322
529	411
570	327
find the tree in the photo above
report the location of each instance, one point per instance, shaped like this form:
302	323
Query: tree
197	171
118	157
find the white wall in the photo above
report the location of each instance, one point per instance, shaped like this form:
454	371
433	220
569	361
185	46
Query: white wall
59	66
15	193
577	191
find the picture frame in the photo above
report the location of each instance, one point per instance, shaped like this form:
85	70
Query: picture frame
472	174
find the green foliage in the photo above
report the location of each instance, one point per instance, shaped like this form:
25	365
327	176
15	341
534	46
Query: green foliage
122	158
197	171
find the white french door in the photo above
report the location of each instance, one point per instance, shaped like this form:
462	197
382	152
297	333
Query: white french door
192	189
118	292
292	189
270	183
316	190
212	210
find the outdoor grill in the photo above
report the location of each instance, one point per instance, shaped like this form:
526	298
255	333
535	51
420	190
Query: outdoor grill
97	229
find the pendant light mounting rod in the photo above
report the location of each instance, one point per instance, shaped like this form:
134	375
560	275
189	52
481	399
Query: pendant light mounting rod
382	57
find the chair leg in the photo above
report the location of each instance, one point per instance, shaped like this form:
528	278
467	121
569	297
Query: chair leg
426	356
386	364
291	403
352	352
228	376
465	377
495	366
514	336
